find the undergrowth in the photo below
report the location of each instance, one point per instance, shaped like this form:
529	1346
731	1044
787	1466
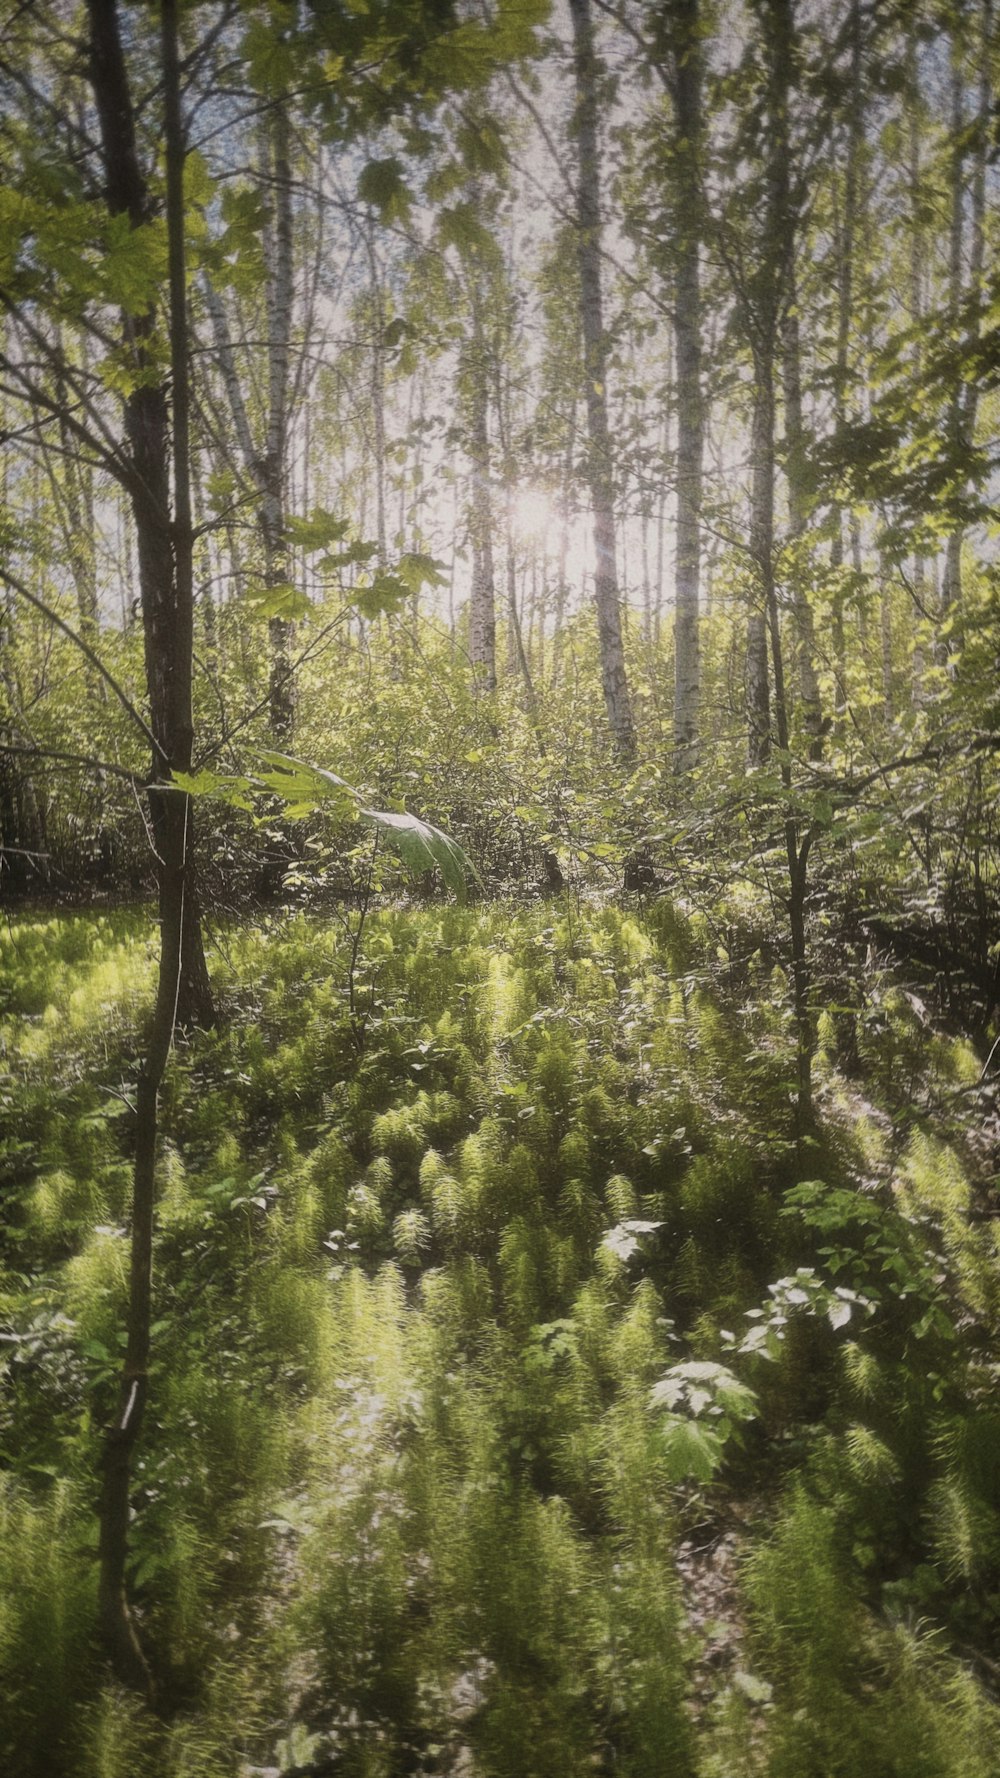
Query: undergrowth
468	1317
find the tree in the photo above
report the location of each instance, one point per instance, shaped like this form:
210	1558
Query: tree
678	54
600	467
167	585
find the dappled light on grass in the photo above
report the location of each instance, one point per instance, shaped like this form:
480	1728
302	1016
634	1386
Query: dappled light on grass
460	1337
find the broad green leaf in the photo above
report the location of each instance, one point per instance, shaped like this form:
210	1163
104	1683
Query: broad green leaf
203	783
419	570
418	844
305	787
345	558
231	790
422	847
385	595
692	1452
461	227
286	601
318	531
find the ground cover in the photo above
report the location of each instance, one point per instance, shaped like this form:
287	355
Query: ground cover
527	1397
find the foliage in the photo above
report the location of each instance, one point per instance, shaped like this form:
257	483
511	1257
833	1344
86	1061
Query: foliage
443	1372
574	1315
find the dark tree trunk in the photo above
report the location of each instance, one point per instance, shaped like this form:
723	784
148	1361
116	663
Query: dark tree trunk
166	588
165	596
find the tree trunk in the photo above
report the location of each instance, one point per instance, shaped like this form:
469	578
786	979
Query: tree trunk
965	402
761	557
76	503
766	306
280	293
845	297
690	402
482	610
166	589
812	713
916	315
562	559
885	638
599	460
377	387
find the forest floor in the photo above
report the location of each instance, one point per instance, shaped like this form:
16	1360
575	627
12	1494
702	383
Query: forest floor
528	1400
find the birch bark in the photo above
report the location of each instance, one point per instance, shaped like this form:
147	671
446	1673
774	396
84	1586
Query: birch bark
966	400
600	474
690	401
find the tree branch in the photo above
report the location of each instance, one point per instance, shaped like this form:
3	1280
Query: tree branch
17	586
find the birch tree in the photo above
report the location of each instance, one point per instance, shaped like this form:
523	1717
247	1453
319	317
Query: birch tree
600	466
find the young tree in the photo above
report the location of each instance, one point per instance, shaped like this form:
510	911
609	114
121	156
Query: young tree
165	540
167	584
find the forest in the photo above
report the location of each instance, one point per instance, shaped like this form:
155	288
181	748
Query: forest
499	889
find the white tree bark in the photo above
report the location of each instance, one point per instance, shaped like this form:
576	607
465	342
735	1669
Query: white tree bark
599	457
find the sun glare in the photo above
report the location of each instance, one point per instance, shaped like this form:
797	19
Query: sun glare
534	514
546	534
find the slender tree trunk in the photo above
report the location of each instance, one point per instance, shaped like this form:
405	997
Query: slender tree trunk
661	541
166	586
280	296
805	636
965	402
77	505
22	818
761	556
766	306
845	298
482	612
167	621
916	312
267	467
562	560
600	474
885	634
377	391
647	579
690	401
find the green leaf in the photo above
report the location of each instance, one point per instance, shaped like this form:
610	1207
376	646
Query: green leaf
383	597
205	783
419	570
692	1452
461	227
304	787
202	783
318	531
284	600
422	847
382	184
418	844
